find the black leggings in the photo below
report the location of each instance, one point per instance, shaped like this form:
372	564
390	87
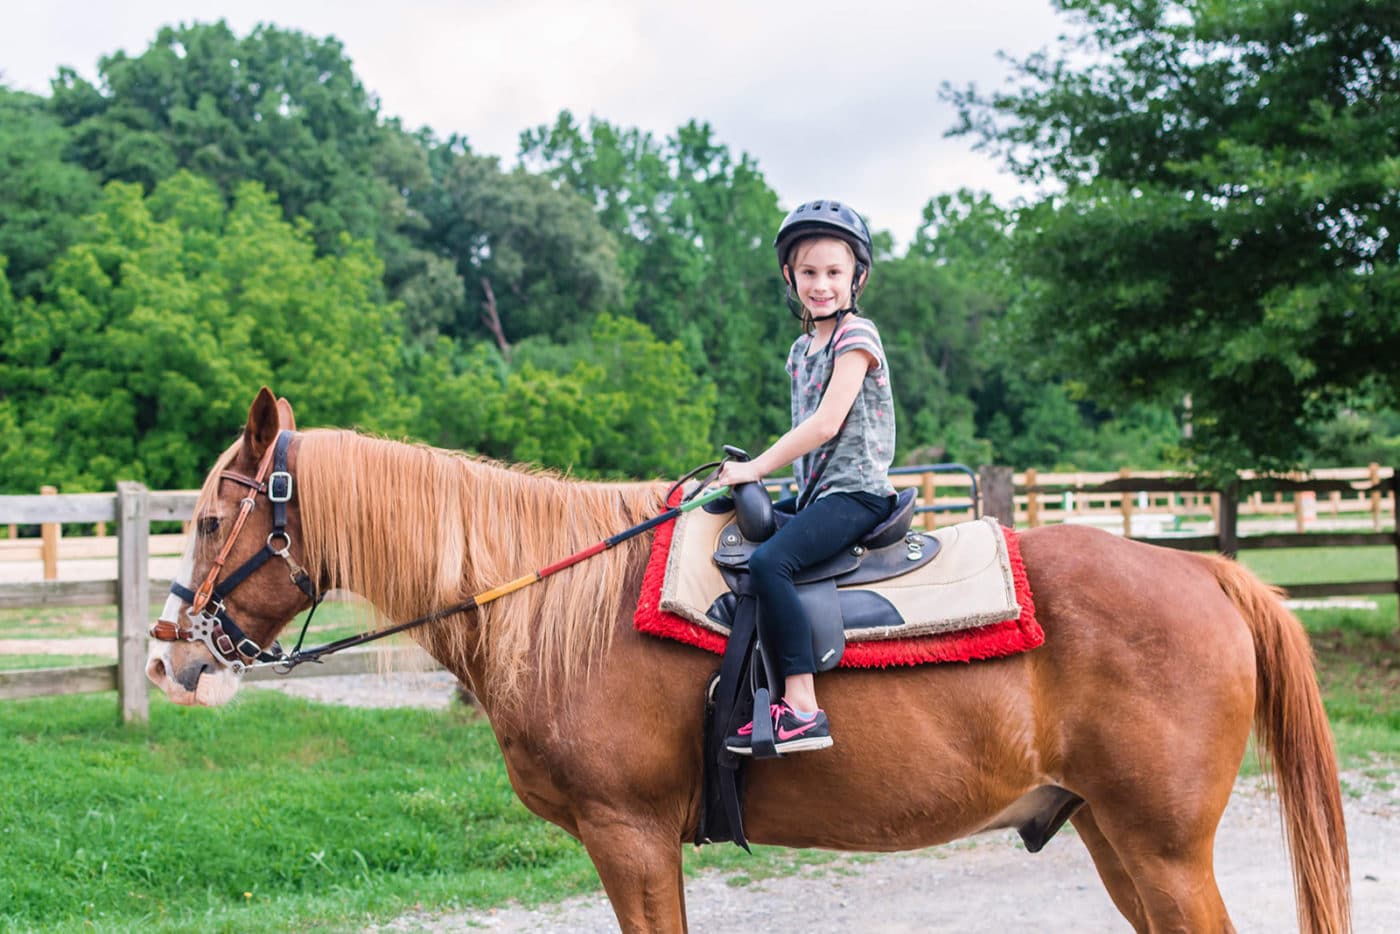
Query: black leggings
824	528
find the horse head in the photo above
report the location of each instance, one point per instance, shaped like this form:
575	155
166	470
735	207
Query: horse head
233	594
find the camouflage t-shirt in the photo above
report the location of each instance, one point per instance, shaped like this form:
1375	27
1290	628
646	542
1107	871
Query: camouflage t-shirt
859	457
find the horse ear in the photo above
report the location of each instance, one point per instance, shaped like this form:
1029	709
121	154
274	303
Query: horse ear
285	418
261	430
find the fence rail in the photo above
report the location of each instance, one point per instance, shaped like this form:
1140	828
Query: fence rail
1365	497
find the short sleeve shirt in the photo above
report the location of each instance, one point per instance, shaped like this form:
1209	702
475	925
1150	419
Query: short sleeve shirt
858	458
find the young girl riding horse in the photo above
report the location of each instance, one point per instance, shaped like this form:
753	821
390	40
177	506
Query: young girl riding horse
841	445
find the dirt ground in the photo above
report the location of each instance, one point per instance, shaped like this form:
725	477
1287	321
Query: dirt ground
989	883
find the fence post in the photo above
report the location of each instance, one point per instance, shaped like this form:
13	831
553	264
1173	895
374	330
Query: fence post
133	598
1395	530
1125	503
930	496
48	547
1228	524
1375	496
1032	499
998	493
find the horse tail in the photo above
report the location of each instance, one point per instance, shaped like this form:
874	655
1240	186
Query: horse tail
1291	724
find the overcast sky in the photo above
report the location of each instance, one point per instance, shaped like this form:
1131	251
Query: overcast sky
832	99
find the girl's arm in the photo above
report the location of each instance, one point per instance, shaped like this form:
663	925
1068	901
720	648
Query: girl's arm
846	377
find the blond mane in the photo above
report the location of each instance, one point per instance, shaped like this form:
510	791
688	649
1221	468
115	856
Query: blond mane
414	529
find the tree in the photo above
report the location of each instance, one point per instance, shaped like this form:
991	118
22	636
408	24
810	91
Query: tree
694	227
23	453
618	403
42	198
1227	224
164	320
934	306
656	412
277	107
533	257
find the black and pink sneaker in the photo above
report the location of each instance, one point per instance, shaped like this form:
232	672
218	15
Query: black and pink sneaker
792	732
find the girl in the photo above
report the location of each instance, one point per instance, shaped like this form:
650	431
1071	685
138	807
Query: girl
841	445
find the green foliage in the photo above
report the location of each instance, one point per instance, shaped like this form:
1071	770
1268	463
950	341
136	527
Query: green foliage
619	403
42	198
336	814
530	253
275	106
167	316
1227	224
654	411
693	226
1354	438
934	306
1224	233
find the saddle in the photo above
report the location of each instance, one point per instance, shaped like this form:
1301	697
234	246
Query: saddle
887	551
746	677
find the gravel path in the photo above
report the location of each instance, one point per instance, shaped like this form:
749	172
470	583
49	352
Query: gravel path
989	883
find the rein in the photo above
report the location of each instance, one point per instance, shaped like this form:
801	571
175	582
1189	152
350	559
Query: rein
226	640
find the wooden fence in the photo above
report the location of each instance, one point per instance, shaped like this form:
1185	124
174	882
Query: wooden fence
1357	500
1367	496
131	510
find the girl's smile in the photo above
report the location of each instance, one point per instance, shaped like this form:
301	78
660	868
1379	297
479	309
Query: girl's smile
822	272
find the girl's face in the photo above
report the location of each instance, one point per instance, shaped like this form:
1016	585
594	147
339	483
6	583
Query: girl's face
822	271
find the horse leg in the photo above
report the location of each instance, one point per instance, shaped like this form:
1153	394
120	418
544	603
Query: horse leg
1115	878
1170	867
641	871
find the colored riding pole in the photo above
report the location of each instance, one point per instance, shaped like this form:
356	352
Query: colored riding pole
706	497
297	657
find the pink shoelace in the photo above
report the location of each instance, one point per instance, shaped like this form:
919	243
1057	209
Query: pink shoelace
774	711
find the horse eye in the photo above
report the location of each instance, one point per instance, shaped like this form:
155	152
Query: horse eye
208	525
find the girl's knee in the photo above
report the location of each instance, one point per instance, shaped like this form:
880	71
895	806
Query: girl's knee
768	565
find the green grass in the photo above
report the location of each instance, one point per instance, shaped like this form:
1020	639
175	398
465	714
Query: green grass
279	814
17	662
1320	565
272	809
58	622
1358	650
271	814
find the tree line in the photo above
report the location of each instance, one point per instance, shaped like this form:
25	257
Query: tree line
1212	282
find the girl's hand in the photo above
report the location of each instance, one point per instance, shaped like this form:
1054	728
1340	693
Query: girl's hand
732	473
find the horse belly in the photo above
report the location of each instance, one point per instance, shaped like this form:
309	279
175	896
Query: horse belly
922	756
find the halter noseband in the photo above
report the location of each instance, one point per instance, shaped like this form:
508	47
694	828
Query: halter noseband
208	619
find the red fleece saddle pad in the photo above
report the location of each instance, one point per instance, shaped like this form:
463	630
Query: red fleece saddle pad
963	645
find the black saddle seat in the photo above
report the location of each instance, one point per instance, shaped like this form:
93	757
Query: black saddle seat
894	528
758	520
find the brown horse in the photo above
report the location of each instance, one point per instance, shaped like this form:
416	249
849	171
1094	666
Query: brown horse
1154	666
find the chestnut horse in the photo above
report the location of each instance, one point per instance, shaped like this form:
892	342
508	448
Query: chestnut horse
1136	709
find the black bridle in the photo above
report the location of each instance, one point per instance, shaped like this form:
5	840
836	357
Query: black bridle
208	620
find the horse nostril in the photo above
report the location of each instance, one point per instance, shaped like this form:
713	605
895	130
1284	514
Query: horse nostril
190	675
155	670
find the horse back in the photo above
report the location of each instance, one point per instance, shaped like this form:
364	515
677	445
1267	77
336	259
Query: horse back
1147	669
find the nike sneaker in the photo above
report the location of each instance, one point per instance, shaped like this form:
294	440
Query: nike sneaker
792	732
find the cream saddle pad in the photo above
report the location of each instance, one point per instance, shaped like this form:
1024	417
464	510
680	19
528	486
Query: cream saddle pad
967	585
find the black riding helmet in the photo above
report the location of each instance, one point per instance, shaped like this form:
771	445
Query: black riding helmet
827	219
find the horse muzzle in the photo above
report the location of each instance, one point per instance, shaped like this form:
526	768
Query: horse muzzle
190	675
